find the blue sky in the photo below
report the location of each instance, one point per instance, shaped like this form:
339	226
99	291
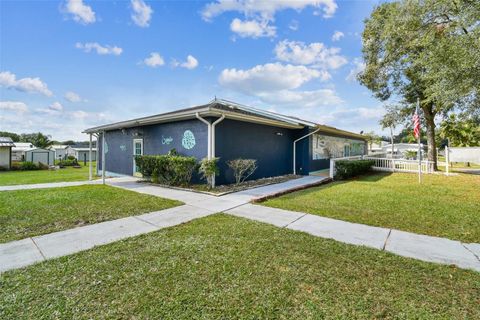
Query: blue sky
69	65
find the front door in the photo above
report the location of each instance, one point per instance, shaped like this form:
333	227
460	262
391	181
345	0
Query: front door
137	151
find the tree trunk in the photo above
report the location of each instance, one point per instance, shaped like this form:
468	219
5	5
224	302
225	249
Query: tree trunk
391	140
430	123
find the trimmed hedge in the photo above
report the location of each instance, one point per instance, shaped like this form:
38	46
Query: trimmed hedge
68	163
345	169
169	169
26	166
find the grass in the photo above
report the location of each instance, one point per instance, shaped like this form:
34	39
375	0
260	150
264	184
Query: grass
441	206
27	213
44	176
222	267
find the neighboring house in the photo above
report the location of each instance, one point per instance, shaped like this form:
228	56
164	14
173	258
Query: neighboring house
6	145
82	154
400	149
37	155
377	147
227	130
62	151
18	152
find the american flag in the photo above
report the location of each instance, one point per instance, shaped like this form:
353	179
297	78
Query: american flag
416	124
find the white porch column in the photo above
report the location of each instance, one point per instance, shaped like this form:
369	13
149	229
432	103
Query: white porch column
103	157
90	158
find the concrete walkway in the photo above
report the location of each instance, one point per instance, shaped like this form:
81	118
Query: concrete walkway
24	252
421	247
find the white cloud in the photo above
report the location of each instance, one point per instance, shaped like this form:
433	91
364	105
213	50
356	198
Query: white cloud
101	50
252	28
79	114
31	85
259	14
190	64
142	13
265	9
294	24
337	35
315	54
57	106
358	66
72	96
16	106
154	60
81	12
269	77
308	99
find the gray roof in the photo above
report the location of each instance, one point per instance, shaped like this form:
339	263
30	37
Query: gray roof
6	142
217	107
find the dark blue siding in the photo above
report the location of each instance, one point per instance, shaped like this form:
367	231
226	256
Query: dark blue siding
157	139
270	146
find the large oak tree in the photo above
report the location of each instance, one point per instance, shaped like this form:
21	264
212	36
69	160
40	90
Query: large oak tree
427	50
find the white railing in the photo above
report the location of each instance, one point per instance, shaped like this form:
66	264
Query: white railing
392	165
332	163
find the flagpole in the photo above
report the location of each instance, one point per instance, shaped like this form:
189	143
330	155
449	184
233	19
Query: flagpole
419	146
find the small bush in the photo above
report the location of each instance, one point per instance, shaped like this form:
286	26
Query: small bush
71	158
208	168
167	169
67	163
24	166
346	169
242	168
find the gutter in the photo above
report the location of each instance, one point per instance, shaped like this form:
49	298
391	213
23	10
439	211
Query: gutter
211	138
295	148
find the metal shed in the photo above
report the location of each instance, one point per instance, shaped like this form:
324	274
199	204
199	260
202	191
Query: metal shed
37	155
6	145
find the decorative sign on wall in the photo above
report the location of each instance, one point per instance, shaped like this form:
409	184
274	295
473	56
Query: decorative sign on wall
188	140
123	147
106	146
326	147
166	140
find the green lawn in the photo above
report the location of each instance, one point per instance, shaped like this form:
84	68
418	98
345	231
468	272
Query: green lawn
26	213
44	176
441	206
222	267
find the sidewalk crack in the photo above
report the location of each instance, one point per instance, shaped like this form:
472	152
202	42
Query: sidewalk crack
386	240
148	222
288	224
466	248
38	248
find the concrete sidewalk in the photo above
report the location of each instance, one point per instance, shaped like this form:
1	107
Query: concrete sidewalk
24	252
17	254
421	247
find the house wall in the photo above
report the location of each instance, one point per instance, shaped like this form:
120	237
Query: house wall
5	157
82	155
157	139
270	146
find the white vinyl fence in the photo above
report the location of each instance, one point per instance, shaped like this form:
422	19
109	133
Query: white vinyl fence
391	165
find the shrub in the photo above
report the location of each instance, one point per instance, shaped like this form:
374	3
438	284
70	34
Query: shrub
71	158
24	166
167	169
346	169
242	168
208	168
67	163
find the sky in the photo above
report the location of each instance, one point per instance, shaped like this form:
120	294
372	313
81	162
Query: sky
69	65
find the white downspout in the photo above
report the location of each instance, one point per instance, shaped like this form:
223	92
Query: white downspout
213	142
103	157
97	137
295	149
209	135
90	158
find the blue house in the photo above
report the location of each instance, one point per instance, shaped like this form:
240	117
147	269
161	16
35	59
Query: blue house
280	144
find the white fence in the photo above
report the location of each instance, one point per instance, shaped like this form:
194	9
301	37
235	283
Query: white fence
391	165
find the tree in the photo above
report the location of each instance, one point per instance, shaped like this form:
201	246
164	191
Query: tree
15	137
372	138
461	131
38	139
390	120
424	50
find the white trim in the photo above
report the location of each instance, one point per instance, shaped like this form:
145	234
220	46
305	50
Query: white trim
134	154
